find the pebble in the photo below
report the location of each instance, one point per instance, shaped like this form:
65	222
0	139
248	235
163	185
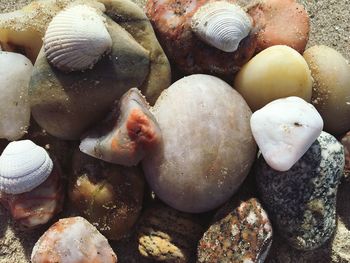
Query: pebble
302	201
284	130
243	235
167	235
345	141
15	72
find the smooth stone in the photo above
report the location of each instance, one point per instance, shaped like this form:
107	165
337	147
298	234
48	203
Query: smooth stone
109	196
66	104
15	72
276	72
330	71
207	148
301	202
133	19
284	130
243	235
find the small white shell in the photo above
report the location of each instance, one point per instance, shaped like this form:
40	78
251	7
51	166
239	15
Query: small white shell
222	25
23	166
76	39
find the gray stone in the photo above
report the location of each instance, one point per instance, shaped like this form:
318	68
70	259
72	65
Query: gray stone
302	201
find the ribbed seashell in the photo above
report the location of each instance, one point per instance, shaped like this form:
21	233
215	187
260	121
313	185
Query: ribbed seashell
23	166
222	25
76	39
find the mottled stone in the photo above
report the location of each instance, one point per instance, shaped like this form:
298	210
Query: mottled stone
301	202
244	235
345	140
167	235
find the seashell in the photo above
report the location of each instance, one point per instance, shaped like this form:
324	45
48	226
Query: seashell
127	134
72	239
23	167
222	25
76	39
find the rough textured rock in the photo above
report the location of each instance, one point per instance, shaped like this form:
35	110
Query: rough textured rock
345	140
167	235
302	201
243	235
207	147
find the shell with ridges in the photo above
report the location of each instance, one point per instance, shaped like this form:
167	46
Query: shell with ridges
76	39
222	25
23	167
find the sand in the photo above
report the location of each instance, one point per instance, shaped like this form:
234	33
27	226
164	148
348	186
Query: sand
330	25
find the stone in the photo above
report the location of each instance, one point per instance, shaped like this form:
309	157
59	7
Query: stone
109	196
301	202
66	104
167	235
15	72
345	141
207	148
243	235
284	130
276	72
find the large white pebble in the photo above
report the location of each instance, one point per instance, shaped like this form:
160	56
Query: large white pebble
207	148
15	72
284	130
276	72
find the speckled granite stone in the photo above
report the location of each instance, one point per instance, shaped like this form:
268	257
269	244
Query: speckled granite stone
167	235
302	201
345	141
244	235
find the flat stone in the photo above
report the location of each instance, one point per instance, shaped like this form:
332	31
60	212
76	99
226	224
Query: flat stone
284	130
302	201
243	235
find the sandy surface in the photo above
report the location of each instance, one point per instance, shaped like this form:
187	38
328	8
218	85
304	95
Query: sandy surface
330	25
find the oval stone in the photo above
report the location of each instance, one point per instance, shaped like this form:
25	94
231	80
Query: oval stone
302	201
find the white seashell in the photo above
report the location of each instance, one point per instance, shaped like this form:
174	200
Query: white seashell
23	166
76	39
222	25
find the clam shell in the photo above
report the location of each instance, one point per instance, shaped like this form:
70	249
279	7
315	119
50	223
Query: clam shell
222	25
76	39
23	166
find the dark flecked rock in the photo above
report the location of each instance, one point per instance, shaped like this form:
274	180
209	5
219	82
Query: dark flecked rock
244	235
167	235
345	140
301	202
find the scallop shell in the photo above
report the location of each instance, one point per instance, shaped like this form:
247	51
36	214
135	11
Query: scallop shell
76	39
23	166
222	25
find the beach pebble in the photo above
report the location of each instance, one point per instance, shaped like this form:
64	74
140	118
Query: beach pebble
345	141
331	88
109	196
276	72
70	240
167	235
207	148
243	235
301	202
284	130
15	72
